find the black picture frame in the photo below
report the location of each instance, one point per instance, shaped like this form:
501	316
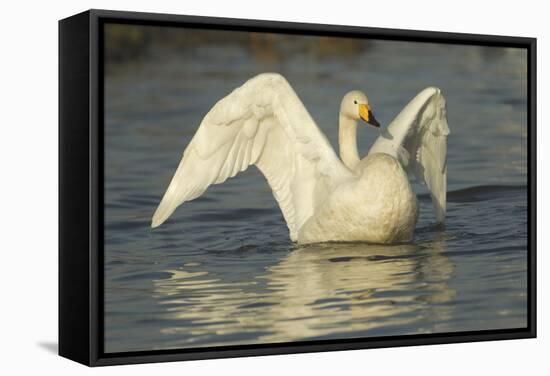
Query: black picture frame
81	182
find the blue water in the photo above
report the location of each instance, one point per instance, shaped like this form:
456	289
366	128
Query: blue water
222	270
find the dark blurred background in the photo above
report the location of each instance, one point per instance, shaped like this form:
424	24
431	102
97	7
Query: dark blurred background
124	43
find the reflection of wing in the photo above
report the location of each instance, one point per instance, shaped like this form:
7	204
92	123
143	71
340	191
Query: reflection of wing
263	122
417	137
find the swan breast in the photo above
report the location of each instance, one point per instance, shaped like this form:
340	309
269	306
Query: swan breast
379	206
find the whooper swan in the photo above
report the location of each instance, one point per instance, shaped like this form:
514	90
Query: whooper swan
322	198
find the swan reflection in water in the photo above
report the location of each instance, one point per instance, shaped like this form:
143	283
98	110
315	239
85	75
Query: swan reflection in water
320	291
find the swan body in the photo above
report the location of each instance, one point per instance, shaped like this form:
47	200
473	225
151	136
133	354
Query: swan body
322	198
379	206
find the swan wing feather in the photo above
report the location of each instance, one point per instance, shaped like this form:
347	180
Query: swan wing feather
417	137
261	123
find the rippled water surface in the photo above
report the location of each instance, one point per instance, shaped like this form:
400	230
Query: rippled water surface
222	270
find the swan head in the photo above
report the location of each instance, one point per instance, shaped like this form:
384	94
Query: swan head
355	105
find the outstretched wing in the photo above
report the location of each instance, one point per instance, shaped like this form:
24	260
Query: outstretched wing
417	137
264	123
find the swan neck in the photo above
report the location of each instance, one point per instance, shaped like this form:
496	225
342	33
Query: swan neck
347	142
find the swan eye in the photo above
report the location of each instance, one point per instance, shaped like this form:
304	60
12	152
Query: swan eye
355	102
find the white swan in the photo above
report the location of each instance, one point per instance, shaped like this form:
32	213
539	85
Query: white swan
264	123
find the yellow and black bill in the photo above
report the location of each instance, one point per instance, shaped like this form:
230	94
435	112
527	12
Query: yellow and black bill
366	114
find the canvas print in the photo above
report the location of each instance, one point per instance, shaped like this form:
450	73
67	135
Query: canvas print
266	188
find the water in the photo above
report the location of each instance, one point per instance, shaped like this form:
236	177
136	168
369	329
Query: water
222	270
